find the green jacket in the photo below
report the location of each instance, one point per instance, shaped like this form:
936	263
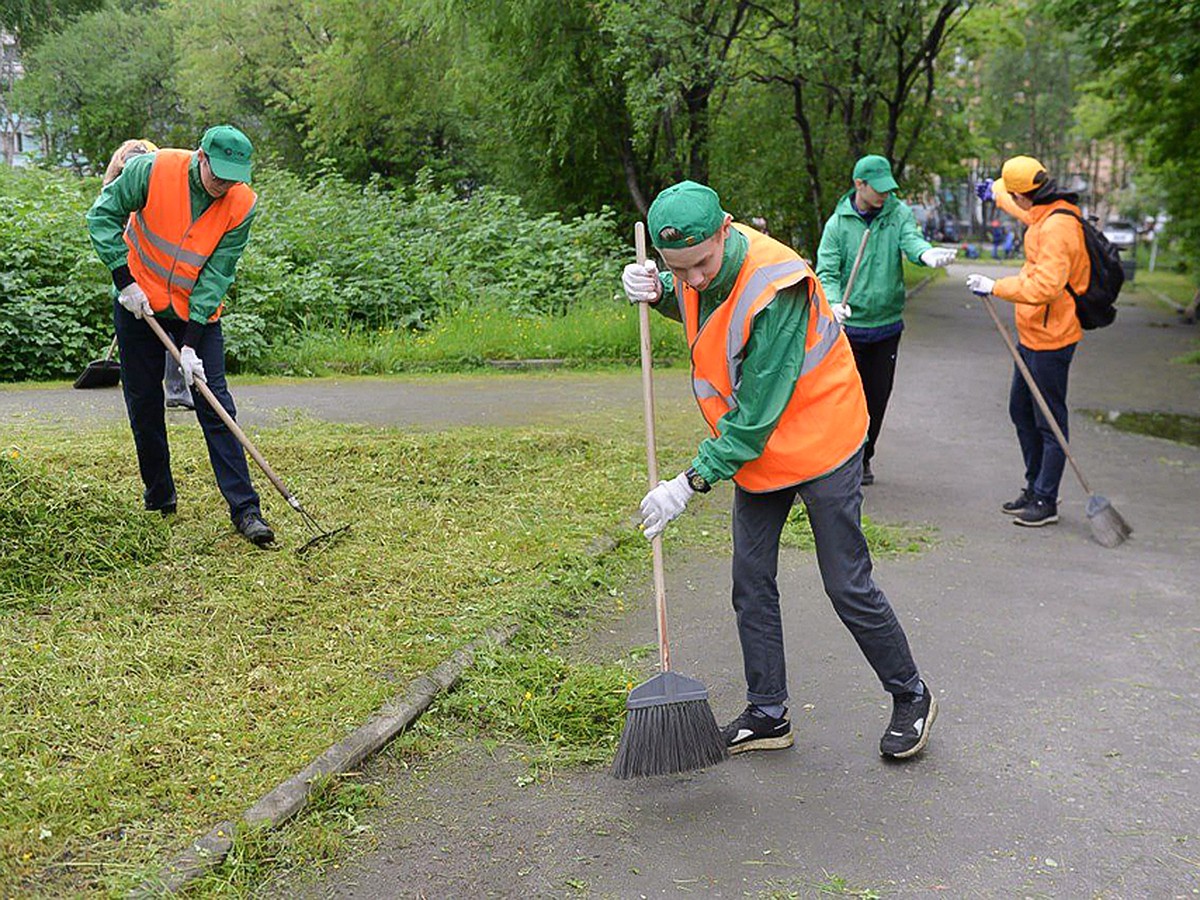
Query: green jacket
127	194
770	366
878	296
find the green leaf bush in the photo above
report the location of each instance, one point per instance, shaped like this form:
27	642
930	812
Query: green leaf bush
325	256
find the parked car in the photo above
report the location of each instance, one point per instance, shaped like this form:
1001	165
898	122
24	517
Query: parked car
1121	234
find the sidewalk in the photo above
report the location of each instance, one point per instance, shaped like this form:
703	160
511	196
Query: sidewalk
1065	761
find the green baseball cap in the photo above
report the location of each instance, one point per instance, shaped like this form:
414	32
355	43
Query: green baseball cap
877	172
684	215
228	152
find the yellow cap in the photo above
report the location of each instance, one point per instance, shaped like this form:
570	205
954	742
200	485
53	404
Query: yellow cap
1023	174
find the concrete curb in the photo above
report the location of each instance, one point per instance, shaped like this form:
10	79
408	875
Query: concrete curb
918	287
287	799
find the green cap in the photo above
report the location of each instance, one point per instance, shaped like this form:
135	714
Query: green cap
684	215
877	172
228	152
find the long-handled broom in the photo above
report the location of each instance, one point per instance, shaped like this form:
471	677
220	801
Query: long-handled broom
1108	527
669	726
319	533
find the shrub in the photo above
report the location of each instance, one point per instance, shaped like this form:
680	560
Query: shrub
324	255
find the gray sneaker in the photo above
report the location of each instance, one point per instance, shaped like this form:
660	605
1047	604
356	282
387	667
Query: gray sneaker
1038	513
1014	507
255	529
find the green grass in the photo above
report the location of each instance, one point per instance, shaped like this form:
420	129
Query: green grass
587	335
885	540
141	703
914	275
1172	426
1179	288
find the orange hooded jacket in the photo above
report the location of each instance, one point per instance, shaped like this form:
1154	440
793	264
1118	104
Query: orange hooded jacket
1055	256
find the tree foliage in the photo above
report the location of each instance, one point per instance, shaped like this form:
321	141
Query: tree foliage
1148	57
89	101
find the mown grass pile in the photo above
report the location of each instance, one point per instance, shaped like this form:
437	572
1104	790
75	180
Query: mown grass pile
59	529
141	703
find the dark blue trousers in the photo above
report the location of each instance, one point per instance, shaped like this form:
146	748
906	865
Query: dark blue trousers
142	362
1044	457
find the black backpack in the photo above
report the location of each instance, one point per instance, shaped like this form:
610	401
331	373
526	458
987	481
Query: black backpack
1096	306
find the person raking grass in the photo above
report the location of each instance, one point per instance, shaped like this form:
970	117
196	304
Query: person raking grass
776	383
171	229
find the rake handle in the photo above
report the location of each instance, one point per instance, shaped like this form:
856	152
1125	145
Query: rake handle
225	417
1035	390
660	581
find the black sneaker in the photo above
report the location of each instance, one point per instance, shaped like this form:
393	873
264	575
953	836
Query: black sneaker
908	732
868	477
755	730
254	529
1038	513
167	511
1014	507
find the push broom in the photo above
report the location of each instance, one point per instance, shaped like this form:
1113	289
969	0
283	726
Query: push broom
669	726
1108	527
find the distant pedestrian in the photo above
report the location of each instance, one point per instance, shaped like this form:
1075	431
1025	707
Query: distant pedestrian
776	384
1047	328
873	314
997	238
178	393
171	230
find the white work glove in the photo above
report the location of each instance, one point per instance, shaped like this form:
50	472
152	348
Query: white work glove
937	258
191	365
133	298
980	284
664	504
841	312
641	282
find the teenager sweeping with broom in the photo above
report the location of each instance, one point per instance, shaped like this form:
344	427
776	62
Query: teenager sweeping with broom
1047	325
776	383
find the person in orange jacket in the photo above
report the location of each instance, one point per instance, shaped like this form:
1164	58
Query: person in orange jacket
1047	328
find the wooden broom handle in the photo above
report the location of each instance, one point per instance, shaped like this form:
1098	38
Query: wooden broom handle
858	257
1033	389
208	395
660	581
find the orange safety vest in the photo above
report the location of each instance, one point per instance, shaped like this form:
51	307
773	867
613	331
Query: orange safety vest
825	422
167	249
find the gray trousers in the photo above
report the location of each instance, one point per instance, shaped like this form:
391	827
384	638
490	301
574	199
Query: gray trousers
834	504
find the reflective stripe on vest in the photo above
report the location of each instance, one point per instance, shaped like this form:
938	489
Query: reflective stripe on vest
825	420
168	249
163	273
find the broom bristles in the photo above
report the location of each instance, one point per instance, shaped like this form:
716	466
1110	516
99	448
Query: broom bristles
668	738
1108	527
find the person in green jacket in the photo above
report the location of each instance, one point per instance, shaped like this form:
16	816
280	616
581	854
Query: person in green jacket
703	250
222	161
871	314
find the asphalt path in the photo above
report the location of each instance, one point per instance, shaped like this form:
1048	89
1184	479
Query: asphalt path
1065	761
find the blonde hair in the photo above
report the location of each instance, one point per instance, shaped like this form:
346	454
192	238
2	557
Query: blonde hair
124	153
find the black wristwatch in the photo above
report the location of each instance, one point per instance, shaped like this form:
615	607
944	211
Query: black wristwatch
696	481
